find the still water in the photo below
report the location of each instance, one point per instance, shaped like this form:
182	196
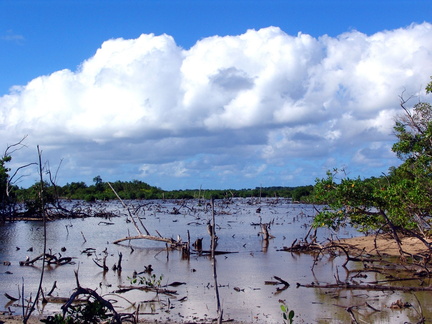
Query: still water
241	275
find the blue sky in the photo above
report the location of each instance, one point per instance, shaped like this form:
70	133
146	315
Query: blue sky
218	94
46	36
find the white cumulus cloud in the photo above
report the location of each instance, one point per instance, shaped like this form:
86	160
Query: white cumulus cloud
230	111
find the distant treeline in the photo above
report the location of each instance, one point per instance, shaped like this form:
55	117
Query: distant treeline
140	190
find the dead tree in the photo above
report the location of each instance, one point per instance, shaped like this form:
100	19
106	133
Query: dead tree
39	291
7	180
213	258
265	231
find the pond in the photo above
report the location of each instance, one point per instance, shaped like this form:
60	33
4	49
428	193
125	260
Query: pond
242	274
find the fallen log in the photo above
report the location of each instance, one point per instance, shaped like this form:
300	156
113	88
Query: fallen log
147	237
209	252
62	300
302	247
365	287
123	289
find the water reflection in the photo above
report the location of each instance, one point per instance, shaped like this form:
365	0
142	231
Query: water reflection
253	263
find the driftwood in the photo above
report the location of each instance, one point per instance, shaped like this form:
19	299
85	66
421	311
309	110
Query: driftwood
216	252
147	237
346	285
10	297
279	281
302	246
61	300
49	259
123	289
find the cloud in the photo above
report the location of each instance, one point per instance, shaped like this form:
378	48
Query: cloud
230	111
11	36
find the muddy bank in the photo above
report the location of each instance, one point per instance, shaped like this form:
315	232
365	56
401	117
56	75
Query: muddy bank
16	319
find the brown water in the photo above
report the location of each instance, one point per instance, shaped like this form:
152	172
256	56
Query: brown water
246	270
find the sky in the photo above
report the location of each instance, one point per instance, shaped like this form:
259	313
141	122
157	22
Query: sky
209	93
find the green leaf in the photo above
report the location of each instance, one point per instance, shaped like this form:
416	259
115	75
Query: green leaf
291	315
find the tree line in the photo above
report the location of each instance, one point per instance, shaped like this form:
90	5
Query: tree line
137	189
31	201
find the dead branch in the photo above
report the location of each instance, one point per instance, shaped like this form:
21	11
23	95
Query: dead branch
103	265
132	216
116	318
265	231
302	246
52	289
213	247
147	237
346	285
279	281
123	289
10	297
348	257
49	259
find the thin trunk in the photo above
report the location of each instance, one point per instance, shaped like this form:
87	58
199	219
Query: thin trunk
27	316
213	247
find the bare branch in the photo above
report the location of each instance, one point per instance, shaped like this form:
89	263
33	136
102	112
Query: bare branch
17	146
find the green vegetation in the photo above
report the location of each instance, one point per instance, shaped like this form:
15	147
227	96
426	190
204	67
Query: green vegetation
288	315
140	190
399	201
34	202
300	193
5	198
150	281
8	199
89	312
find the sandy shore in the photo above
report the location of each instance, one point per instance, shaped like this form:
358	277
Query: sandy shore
384	245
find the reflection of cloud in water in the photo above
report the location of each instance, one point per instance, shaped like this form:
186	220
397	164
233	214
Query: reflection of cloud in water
248	269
